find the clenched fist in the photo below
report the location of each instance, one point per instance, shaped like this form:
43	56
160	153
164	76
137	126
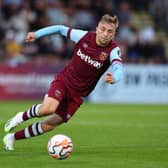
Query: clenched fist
109	78
30	37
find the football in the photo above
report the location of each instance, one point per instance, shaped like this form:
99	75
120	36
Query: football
60	146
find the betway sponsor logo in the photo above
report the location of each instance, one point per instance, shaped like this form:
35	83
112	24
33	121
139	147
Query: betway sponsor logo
88	59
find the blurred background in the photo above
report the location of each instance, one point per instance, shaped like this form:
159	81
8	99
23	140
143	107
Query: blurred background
26	70
130	131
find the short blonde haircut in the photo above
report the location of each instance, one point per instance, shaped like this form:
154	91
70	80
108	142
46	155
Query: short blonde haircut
110	19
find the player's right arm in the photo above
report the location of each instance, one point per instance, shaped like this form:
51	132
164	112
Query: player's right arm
31	37
73	34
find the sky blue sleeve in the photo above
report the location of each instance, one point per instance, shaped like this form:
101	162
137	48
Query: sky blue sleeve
77	34
116	63
57	29
117	72
74	34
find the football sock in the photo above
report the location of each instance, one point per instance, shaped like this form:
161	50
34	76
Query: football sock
31	112
30	131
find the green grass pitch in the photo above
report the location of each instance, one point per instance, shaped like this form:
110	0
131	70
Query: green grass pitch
104	136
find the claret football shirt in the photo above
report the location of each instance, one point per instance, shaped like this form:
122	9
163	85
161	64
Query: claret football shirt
89	61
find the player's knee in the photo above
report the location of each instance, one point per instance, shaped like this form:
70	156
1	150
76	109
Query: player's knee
45	110
48	127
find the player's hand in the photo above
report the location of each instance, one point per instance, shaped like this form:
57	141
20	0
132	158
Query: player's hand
30	37
109	78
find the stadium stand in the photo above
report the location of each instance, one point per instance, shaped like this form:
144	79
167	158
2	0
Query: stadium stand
142	33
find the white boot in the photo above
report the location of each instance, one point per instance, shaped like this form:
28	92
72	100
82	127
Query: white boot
13	122
8	141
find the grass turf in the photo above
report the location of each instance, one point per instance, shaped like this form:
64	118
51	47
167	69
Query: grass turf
104	136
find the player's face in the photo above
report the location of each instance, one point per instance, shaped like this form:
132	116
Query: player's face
105	32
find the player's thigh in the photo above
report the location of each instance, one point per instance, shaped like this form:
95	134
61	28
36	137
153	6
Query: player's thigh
67	109
48	106
56	93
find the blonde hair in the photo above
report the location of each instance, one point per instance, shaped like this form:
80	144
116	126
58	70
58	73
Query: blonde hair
110	19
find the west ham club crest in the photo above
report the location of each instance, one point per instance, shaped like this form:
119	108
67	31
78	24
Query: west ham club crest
103	56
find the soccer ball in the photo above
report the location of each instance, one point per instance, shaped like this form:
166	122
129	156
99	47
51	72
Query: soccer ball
60	146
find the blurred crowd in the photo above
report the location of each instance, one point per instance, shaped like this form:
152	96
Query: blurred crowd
159	12
17	17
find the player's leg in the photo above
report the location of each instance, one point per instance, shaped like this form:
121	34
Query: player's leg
32	130
61	102
64	112
57	93
48	106
57	115
21	117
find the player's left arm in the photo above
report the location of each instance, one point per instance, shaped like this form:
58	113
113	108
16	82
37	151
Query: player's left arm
50	30
73	34
117	68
